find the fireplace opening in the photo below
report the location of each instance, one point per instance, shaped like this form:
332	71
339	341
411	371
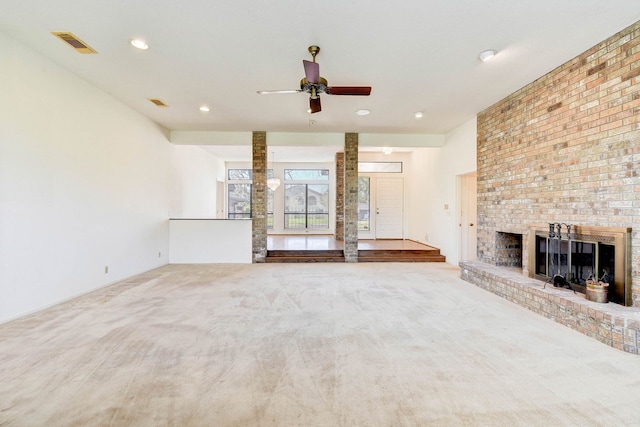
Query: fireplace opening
508	249
584	253
589	261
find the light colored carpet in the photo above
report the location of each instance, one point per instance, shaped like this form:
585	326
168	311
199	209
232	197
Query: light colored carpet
306	345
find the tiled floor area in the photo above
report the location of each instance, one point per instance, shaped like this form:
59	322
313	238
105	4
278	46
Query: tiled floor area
326	242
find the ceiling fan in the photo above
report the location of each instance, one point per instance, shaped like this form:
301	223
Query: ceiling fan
314	85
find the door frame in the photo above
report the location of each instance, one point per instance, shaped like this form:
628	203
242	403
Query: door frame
467	217
371	234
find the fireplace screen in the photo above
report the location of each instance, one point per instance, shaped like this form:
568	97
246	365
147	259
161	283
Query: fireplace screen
589	260
593	253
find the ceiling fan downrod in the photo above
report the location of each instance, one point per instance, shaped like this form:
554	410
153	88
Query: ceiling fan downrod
314	50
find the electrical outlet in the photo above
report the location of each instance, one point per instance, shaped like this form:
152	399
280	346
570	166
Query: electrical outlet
159	254
106	269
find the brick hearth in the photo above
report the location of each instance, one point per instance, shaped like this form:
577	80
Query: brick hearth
611	324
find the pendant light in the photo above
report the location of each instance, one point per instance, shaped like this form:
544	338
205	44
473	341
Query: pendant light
273	183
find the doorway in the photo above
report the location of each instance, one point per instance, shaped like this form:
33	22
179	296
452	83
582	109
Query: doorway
467	223
380	207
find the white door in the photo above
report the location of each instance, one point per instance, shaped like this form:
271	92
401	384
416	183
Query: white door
468	217
389	208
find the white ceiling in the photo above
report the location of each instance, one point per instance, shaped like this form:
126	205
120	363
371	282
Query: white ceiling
418	55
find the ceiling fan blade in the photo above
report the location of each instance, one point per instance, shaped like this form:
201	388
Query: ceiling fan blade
270	92
311	71
314	105
349	90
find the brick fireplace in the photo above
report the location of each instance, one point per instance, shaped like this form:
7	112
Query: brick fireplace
564	149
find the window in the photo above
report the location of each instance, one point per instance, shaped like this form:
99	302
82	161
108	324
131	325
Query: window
306	199
239	174
364	205
306	174
380	167
269	209
239	201
306	206
239	195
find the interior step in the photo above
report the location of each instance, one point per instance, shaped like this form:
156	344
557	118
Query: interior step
305	256
403	255
337	255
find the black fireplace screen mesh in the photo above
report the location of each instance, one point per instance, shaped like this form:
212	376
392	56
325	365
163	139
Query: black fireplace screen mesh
589	260
570	255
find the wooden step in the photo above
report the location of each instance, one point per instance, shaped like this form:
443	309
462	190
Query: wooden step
402	255
374	255
305	256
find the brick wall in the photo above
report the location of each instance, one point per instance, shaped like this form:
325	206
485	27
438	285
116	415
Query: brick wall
351	197
259	197
565	148
340	196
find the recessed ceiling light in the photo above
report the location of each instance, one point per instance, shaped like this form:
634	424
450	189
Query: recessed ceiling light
363	112
204	108
418	114
139	43
486	55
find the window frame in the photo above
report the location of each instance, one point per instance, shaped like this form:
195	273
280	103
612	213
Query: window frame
249	182
290	180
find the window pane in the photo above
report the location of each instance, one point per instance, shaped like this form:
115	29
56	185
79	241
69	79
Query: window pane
239	201
364	205
306	174
245	174
382	167
240	174
239	216
269	209
269	200
318	198
295	198
295	221
318	221
306	206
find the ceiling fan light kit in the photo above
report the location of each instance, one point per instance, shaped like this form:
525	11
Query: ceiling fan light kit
314	84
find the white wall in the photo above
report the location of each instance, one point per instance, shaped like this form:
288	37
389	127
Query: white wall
195	173
432	184
210	241
83	185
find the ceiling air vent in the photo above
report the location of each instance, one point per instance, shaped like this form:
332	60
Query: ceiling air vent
158	102
73	41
